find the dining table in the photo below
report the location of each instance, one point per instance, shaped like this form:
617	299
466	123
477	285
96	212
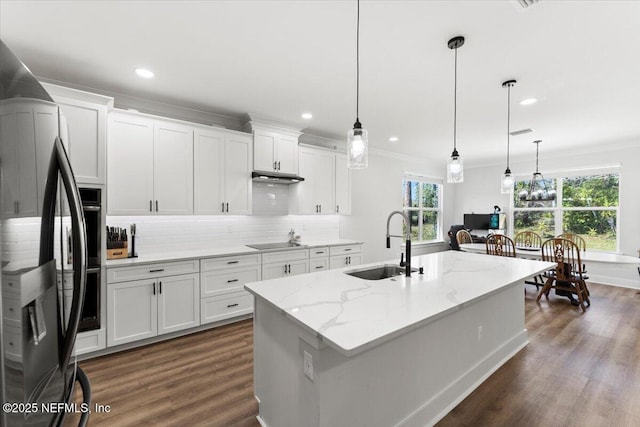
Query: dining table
604	267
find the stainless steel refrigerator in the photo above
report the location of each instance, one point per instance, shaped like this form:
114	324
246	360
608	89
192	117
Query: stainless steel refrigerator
42	236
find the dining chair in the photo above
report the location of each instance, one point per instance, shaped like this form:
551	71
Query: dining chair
500	245
582	245
463	236
530	240
566	277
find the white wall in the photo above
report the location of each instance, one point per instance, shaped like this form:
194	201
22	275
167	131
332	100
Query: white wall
481	187
377	191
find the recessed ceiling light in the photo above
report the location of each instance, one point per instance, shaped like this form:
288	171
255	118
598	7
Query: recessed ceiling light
393	139
144	73
307	116
528	101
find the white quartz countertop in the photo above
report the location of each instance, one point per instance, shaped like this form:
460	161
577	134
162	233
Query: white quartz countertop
218	252
586	256
352	315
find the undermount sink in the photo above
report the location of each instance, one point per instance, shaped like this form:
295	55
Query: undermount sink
276	245
378	272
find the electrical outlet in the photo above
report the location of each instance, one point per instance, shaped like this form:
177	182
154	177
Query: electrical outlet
480	332
308	365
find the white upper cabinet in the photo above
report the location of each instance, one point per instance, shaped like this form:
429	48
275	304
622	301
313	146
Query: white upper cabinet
343	185
86	135
326	189
130	165
315	195
150	166
222	172
18	160
172	168
275	152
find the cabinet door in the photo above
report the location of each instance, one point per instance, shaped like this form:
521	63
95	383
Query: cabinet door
273	271
132	311
343	186
172	169
209	172
339	261
298	267
129	165
238	174
325	182
263	151
178	303
305	191
86	123
286	154
46	128
18	157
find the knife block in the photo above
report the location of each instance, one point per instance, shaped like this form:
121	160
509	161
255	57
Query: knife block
118	253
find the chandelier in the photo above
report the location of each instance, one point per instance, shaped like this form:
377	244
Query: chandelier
538	190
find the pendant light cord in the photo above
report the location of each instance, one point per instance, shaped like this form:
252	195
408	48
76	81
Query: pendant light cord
508	120
358	64
455	97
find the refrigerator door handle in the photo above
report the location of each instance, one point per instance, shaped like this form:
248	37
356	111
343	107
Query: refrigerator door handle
60	162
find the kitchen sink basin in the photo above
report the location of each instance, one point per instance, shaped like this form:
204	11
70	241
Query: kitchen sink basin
276	245
378	272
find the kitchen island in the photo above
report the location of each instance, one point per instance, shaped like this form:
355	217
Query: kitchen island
331	349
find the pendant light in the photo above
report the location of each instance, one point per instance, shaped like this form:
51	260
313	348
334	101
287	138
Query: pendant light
538	190
507	178
357	138
455	172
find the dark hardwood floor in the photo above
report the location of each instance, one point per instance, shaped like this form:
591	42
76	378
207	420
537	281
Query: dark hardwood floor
578	370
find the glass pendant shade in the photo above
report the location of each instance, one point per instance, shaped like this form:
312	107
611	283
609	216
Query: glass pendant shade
507	182
357	147
455	168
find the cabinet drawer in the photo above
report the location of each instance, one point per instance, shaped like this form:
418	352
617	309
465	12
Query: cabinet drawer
227	281
214	309
344	250
319	252
149	271
319	264
209	264
285	256
89	341
12	337
11	310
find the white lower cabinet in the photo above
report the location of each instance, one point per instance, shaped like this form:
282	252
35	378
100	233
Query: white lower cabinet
156	305
222	282
285	263
345	256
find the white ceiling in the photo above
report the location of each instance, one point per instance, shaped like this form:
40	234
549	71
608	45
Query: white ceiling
280	58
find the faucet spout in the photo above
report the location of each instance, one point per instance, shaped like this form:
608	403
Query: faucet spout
407	237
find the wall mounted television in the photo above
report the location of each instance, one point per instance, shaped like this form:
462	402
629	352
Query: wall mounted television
481	221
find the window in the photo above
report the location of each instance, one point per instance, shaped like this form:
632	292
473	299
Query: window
586	204
422	201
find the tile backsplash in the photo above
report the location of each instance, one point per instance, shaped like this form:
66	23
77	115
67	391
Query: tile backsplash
156	234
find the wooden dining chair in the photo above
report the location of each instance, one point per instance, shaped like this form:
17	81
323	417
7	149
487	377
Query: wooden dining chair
500	245
527	239
582	245
530	240
564	277
463	236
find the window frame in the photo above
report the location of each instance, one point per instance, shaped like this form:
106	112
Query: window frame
439	210
559	210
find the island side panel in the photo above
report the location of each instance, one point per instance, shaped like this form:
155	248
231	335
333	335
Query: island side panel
412	380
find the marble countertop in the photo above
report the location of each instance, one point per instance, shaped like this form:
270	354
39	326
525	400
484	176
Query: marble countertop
218	252
352	315
586	256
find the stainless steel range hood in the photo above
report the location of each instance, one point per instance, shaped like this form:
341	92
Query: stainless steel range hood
275	177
